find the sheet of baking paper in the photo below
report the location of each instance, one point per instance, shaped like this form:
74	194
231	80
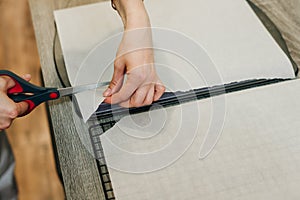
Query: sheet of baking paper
222	39
257	156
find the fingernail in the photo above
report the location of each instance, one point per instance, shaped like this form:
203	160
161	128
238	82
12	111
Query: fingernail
107	92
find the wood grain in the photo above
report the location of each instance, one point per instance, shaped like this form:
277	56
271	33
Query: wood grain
35	168
78	167
286	16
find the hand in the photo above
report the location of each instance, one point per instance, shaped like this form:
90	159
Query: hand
9	110
142	86
135	59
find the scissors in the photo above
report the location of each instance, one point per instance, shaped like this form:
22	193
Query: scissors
35	95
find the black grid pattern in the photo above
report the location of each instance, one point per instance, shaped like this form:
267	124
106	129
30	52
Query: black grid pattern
107	117
95	132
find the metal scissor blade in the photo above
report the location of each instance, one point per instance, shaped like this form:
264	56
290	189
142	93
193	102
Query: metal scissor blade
81	88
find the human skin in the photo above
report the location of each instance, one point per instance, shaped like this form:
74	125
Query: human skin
9	110
135	59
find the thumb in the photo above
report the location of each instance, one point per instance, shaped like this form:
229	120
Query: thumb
27	77
117	79
5	83
22	108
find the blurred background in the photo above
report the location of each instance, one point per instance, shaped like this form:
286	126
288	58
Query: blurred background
29	136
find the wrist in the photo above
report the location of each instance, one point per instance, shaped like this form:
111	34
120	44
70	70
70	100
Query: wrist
136	20
132	12
126	5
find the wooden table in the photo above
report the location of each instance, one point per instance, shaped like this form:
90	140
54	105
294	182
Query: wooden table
78	168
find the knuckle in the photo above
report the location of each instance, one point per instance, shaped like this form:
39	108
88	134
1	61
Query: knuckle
161	88
2	80
12	111
5	125
118	64
148	102
3	83
113	82
135	102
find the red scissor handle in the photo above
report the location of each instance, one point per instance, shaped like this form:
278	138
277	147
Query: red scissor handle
25	91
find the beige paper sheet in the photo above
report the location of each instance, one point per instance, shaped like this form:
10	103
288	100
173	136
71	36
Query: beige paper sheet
198	43
257	157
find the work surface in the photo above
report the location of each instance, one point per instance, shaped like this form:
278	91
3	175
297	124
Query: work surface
79	170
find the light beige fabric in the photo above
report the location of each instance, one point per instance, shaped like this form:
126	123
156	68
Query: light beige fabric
257	156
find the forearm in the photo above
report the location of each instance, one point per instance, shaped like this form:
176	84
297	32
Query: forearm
133	13
135	59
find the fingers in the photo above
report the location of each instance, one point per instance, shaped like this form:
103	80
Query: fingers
117	79
10	110
142	96
150	96
7	111
125	92
142	85
6	83
27	77
22	108
159	91
136	91
5	124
